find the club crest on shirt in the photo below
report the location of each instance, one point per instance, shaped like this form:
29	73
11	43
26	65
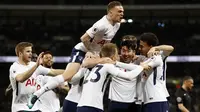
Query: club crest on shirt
178	99
95	29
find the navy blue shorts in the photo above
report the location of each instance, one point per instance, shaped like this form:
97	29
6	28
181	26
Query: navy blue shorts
156	107
69	106
120	107
77	56
88	109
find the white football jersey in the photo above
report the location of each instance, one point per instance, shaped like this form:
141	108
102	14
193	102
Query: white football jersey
21	91
101	32
122	90
154	90
94	85
75	91
49	101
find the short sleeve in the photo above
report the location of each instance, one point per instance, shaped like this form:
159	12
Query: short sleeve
14	71
179	97
155	61
96	29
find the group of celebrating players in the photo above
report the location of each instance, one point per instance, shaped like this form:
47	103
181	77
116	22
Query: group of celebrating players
138	82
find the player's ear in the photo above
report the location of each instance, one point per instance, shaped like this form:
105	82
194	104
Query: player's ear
20	53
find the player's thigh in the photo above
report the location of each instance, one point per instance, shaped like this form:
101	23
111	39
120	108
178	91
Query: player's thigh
69	106
75	61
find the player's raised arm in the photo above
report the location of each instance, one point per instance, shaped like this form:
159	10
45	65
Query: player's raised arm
167	50
21	77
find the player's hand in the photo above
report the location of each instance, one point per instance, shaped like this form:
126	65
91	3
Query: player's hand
39	59
152	52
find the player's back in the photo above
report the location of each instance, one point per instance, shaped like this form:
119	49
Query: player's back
154	90
93	87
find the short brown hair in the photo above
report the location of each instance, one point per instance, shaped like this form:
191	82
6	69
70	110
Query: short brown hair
108	50
113	4
20	47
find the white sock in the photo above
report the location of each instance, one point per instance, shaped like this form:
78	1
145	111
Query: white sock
51	84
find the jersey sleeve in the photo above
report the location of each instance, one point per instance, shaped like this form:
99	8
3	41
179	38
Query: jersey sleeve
111	69
179	97
155	61
163	55
75	79
42	70
96	29
14	71
126	66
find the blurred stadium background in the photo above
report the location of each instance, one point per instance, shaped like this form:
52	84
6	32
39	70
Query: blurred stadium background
57	25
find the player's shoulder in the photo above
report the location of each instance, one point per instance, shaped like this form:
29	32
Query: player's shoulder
179	92
14	65
102	23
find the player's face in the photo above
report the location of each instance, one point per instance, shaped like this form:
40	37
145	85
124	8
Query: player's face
127	54
47	60
26	54
117	13
190	84
144	48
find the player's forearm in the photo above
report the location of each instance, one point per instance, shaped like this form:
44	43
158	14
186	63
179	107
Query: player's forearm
78	76
131	74
91	62
54	72
182	108
167	49
86	41
126	66
24	76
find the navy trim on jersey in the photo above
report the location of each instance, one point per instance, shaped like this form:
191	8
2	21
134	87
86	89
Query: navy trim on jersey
105	82
17	88
164	67
81	81
154	75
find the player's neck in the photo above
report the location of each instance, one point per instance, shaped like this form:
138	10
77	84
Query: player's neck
21	61
184	87
110	20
